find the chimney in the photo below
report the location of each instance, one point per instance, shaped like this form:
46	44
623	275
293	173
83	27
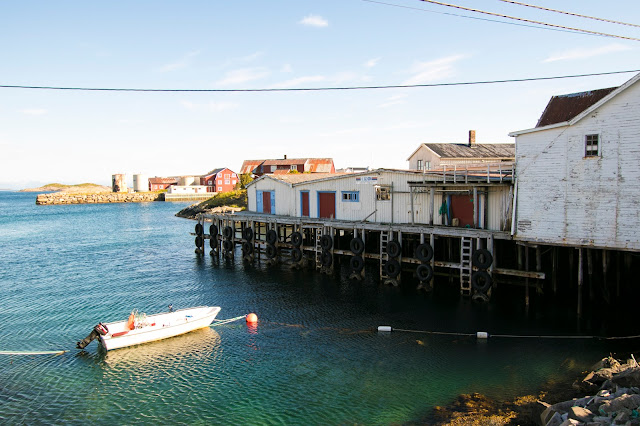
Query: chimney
285	156
472	138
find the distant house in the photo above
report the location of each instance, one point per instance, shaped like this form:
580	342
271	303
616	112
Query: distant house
285	165
220	180
429	156
160	183
577	171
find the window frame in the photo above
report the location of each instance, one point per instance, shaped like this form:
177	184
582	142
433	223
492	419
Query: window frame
350	196
590	143
383	192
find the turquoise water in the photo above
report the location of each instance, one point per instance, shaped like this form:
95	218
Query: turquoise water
314	358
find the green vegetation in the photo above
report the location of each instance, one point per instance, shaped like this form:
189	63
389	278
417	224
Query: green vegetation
236	198
61	185
245	179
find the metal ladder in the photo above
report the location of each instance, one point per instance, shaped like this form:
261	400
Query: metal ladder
318	248
384	256
466	245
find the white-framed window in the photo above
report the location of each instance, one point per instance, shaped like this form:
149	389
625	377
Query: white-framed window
273	168
294	167
210	182
351	196
219	189
227	181
226	175
427	165
592	145
233	182
219	181
419	165
383	192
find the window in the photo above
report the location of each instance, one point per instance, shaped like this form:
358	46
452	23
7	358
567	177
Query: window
419	165
351	196
227	181
219	189
383	192
591	145
210	182
427	165
294	167
226	175
273	168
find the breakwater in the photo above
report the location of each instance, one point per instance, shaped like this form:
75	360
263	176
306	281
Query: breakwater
109	197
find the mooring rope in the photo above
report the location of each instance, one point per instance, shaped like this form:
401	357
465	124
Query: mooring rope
227	321
32	352
485	335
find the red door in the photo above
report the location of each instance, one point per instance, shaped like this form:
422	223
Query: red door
304	200
462	208
266	202
327	205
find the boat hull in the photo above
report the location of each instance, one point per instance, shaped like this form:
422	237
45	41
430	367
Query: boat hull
158	327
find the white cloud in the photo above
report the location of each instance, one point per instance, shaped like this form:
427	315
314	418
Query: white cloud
425	72
286	68
393	100
184	62
243	75
371	63
209	106
314	21
34	111
584	53
300	81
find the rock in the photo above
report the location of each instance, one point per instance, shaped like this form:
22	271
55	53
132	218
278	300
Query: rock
625	401
628	378
580	414
555	420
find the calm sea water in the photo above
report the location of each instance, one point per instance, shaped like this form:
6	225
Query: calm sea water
314	358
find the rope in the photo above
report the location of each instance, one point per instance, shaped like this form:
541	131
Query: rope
515	336
227	321
32	352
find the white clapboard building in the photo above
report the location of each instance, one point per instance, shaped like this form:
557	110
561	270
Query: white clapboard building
578	171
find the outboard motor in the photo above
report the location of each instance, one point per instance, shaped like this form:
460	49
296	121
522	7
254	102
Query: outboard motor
98	330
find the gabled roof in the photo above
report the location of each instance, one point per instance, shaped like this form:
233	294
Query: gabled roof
315	165
163	180
478	150
563	108
588	109
300	178
214	171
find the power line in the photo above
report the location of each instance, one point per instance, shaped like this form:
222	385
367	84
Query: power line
570	13
478	18
316	89
529	21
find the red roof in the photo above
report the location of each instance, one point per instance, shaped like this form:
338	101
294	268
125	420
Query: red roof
565	107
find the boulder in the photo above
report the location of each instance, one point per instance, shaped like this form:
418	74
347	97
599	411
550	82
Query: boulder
580	414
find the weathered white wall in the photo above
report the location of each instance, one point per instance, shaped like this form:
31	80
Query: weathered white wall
567	198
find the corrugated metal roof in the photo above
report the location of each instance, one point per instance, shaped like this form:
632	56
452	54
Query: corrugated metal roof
294	178
478	150
563	108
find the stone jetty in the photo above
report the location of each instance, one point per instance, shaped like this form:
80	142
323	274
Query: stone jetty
112	197
614	397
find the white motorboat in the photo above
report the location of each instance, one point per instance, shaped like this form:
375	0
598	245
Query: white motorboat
144	328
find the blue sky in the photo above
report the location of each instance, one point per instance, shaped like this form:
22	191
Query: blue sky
80	136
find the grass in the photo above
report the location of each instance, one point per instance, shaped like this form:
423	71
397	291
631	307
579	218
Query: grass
232	199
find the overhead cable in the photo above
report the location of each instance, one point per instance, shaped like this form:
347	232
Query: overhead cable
316	89
570	13
529	21
496	21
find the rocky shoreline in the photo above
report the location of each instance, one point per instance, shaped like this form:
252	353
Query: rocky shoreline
607	395
111	197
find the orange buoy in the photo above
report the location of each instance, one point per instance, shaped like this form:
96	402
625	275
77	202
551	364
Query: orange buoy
131	322
252	318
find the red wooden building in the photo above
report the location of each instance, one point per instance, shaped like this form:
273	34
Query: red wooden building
220	180
286	165
159	183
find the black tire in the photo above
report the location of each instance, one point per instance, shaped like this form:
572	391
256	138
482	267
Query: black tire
228	245
213	230
247	234
213	240
326	258
296	254
357	264
392	268
482	258
424	252
424	272
394	248
247	247
296	239
228	232
272	236
481	281
199	241
199	229
357	246
326	242
271	251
